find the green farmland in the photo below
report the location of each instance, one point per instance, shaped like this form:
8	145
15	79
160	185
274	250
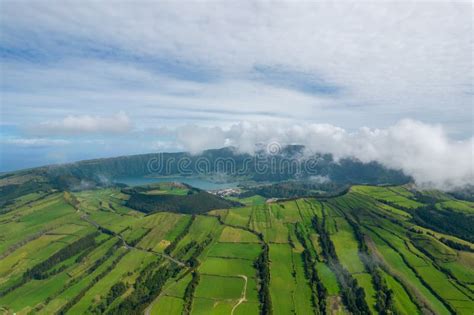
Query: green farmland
371	250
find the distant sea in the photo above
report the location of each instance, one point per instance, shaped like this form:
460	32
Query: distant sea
193	181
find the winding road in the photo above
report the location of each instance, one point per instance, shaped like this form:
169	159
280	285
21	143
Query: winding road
86	218
244	294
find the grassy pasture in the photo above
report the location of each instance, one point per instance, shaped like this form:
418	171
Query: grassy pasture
202	226
347	247
277	234
260	218
76	288
233	235
171	300
365	281
177	287
235	250
440	252
167	305
328	278
461	270
37	250
239	216
306	210
457	205
219	287
46	215
200	229
164	227
290	211
34	251
112	221
402	300
416	267
250	201
247	308
227	267
398	196
302	290
282	283
397	266
34	293
180	225
270	221
133	261
172	191
94	256
435	279
207	307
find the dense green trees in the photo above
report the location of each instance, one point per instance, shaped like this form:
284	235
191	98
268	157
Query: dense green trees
447	222
50	266
193	262
198	201
353	296
43	269
384	295
146	288
135	241
96	279
115	291
293	189
189	292
262	264
456	245
385	303
178	238
318	291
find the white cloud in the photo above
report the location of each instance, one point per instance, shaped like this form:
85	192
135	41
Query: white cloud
85	124
390	59
421	150
35	142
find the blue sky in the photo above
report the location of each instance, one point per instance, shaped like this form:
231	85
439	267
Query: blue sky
94	79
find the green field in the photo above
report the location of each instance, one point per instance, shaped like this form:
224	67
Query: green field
154	258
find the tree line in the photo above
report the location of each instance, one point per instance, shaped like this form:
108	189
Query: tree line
384	296
96	279
189	292
318	291
456	245
42	269
135	241
447	222
146	288
353	296
115	291
262	264
169	249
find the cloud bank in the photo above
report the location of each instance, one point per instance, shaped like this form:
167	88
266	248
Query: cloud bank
67	69
84	124
421	150
347	63
34	142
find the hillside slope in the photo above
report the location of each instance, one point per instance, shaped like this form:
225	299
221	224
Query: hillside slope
289	164
366	251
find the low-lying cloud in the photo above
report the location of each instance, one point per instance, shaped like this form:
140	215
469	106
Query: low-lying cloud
421	150
84	124
35	142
